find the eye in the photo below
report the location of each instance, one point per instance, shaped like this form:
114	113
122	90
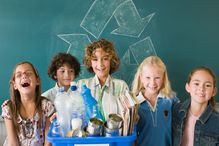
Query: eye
147	78
106	58
208	85
71	71
18	75
196	84
29	73
94	59
157	78
61	70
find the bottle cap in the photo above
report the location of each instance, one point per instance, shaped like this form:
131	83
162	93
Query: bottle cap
73	86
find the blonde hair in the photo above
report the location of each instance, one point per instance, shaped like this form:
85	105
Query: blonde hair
152	60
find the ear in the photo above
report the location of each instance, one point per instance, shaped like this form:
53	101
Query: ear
215	91
187	87
15	87
38	81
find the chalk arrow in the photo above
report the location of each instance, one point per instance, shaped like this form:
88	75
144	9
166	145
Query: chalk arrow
77	44
99	15
129	21
142	49
127	69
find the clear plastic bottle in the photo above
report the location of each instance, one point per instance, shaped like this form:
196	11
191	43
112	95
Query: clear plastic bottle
61	104
77	109
57	130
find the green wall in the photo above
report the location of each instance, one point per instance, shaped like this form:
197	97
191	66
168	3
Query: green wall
183	33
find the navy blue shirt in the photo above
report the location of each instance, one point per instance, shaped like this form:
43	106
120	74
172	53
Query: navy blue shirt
154	125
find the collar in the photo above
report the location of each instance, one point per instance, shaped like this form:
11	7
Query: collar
204	116
57	88
97	82
141	98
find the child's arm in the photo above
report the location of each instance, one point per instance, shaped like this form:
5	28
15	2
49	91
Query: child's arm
46	132
11	134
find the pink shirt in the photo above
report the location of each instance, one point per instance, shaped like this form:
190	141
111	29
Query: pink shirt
188	134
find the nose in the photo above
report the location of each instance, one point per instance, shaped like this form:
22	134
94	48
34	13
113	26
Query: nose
201	88
67	73
152	81
100	63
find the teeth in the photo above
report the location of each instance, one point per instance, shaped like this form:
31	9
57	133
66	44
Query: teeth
25	84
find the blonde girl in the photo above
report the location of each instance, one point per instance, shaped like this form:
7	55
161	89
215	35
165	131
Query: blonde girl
152	88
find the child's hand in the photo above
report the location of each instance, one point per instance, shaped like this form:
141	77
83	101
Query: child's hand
52	117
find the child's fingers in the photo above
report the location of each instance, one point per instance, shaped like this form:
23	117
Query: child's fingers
52	117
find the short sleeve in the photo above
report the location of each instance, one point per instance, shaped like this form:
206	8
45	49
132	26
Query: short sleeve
6	109
48	107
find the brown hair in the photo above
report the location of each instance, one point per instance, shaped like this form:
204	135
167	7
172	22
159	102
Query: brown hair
15	103
108	47
58	61
211	73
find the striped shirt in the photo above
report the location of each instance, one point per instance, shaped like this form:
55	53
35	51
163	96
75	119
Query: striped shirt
107	94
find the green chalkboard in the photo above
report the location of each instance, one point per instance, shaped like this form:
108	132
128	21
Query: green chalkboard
183	33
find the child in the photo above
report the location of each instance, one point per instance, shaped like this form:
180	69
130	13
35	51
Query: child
152	88
64	68
195	121
27	113
101	58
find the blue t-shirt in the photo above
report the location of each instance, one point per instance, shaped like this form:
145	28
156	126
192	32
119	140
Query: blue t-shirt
154	125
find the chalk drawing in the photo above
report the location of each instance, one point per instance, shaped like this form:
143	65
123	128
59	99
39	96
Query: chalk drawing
126	70
77	44
99	15
129	21
142	49
133	57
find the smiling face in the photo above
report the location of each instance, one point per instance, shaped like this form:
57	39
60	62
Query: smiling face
201	87
65	75
25	80
100	63
152	79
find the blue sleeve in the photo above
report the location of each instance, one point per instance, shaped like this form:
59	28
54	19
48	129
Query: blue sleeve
175	100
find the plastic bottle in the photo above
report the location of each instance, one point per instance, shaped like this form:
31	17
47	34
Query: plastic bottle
57	130
77	108
92	106
63	117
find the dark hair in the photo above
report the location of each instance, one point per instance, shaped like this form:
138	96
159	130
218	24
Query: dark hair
60	59
208	70
15	103
108	47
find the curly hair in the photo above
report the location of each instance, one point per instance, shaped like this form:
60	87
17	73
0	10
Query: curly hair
108	47
60	59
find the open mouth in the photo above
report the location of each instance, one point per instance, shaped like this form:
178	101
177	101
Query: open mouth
25	84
